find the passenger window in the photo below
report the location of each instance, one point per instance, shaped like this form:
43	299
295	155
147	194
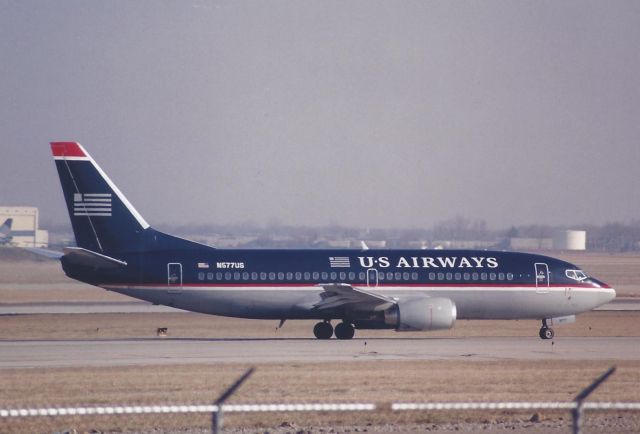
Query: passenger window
343	276
298	275
272	276
201	276
474	276
509	276
361	276
263	276
398	275
500	276
245	276
352	276
440	276
334	276
432	276
307	275
483	276
289	276
449	276
492	276
405	276
414	276
218	276
281	276
236	275
316	275
381	276
227	276
458	276
254	276
325	275
389	275
467	276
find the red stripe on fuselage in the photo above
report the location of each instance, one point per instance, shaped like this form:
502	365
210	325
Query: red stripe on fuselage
359	285
67	149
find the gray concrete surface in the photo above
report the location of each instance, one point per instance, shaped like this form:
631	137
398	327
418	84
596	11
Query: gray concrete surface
21	354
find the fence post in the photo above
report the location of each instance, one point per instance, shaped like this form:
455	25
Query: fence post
217	416
578	411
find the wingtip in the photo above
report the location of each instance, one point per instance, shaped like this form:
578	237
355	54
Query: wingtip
67	149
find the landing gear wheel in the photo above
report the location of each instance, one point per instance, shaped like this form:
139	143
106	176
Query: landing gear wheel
323	330
546	333
344	330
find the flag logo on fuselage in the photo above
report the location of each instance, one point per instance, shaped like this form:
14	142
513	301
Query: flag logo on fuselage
339	262
92	204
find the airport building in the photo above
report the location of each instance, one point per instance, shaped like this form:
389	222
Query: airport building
561	240
24	226
570	240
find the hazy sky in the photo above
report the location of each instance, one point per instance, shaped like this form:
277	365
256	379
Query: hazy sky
358	113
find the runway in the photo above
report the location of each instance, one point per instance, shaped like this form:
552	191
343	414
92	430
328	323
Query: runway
159	351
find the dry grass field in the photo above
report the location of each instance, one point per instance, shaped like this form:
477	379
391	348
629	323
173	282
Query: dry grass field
381	382
372	381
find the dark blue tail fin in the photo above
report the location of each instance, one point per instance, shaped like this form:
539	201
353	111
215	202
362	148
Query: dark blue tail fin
103	220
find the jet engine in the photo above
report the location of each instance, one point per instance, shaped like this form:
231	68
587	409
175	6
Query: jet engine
421	313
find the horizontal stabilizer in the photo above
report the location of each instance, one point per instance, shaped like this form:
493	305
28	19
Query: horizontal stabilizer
51	254
88	258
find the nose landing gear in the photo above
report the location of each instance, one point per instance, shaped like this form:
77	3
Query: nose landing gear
546	332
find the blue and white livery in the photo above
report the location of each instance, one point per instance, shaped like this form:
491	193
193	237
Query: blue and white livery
363	289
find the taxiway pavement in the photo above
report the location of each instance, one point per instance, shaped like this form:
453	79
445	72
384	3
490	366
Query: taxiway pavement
122	352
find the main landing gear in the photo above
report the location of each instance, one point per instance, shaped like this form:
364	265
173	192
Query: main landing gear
546	332
324	330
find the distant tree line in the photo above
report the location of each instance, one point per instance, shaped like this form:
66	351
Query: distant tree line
611	237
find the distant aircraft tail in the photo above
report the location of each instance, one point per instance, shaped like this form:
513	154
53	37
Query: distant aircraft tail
5	231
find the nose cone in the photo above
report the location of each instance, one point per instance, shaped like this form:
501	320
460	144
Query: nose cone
605	295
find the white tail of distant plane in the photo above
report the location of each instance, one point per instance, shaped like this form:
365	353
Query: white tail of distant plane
5	231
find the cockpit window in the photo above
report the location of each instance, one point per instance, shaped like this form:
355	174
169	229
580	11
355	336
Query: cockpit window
578	275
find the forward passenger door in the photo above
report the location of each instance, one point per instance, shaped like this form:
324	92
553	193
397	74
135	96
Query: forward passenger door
542	277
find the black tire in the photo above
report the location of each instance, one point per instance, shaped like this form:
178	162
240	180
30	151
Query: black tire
323	330
546	333
344	331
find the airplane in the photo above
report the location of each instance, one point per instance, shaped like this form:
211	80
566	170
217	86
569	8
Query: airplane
5	232
405	290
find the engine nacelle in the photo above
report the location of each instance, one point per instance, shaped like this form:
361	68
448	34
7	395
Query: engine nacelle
422	313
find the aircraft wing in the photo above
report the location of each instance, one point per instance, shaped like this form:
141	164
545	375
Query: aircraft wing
342	295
